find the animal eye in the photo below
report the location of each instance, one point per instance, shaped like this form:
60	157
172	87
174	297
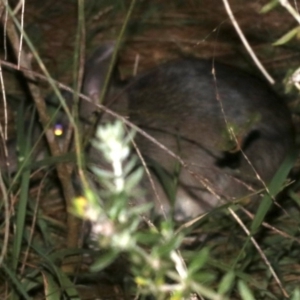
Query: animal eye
58	129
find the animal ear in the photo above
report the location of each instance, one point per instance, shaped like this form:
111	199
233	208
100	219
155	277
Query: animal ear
96	71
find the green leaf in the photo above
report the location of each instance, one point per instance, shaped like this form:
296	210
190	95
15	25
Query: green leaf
168	246
68	286
101	173
198	261
287	37
104	260
296	294
52	289
24	149
12	276
226	283
148	238
133	179
274	188
269	6
245	292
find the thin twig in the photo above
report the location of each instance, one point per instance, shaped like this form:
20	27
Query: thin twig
21	32
259	250
7	219
246	44
290	9
149	176
4	105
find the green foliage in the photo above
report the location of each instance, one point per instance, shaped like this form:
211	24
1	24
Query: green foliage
269	6
156	264
293	33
